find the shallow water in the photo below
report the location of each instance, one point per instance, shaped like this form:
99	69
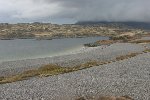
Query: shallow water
20	49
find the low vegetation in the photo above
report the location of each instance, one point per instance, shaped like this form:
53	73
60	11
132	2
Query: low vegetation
127	56
140	41
125	38
99	43
1	78
50	31
45	71
146	50
118	38
108	98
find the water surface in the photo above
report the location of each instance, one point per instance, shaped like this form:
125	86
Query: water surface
20	49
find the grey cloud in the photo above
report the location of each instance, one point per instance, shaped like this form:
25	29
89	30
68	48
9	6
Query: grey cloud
80	10
109	10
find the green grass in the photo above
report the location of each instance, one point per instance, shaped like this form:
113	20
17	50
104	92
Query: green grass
146	50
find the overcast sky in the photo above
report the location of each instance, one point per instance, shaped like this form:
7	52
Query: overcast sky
70	11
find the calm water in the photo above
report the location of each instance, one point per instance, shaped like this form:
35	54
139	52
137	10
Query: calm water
20	49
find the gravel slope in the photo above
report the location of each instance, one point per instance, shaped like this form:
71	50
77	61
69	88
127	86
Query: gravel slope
102	53
128	77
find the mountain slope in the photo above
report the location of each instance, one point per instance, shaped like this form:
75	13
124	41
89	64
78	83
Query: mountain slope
137	25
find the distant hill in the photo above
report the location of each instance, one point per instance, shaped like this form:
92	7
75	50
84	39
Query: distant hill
137	25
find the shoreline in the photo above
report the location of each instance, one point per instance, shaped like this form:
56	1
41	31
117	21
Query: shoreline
102	53
27	64
52	38
41	49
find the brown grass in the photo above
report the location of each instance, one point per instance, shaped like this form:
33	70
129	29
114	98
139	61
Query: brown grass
127	56
140	41
125	38
105	42
1	78
115	98
109	98
19	77
45	71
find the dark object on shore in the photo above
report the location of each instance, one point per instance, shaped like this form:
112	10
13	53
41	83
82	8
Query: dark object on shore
91	45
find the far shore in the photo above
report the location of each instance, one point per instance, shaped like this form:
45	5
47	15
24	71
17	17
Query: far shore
51	38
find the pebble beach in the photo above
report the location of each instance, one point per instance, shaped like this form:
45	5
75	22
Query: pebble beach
127	77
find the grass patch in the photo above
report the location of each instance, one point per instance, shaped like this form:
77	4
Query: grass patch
19	77
1	78
146	50
45	71
114	98
127	56
105	42
108	98
140	41
125	38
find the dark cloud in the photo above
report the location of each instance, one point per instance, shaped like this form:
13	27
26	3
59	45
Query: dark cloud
80	10
107	10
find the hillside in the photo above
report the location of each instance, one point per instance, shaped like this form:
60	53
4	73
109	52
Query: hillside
50	31
131	25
